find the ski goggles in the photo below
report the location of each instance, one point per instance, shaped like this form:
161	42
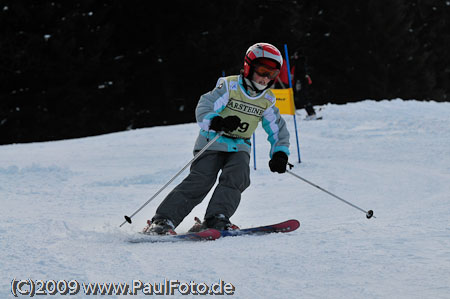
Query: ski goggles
266	71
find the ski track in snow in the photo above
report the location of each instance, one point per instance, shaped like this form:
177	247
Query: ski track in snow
62	203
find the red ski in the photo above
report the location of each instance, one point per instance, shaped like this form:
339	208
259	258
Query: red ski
282	227
213	234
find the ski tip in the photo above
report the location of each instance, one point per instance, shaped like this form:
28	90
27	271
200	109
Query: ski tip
288	225
294	224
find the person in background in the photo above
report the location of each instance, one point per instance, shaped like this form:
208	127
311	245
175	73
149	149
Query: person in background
301	82
234	107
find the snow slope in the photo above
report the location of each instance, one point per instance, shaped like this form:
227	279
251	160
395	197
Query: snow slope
61	204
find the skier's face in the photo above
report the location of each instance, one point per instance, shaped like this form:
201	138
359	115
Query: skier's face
260	79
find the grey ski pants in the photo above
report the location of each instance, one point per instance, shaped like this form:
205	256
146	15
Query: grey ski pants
233	180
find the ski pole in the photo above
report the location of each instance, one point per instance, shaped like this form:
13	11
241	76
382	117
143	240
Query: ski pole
369	214
128	218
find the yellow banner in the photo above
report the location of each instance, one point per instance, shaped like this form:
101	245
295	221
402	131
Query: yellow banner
285	100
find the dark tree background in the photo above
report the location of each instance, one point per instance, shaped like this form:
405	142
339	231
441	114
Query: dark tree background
86	67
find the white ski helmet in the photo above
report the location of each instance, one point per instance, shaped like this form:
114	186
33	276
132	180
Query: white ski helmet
261	50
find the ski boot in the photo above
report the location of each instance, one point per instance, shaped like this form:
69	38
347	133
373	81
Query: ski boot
198	226
159	227
218	222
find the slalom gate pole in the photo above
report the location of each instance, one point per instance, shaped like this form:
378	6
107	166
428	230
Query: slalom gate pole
254	151
128	218
369	214
290	86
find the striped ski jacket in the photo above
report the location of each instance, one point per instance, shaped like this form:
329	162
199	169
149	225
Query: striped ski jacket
230	98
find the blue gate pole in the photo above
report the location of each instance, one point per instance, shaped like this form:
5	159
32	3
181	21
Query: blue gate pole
254	152
290	86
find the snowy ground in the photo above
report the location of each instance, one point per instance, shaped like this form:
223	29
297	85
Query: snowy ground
61	204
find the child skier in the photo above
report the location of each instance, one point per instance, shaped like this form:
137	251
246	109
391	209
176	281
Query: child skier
235	107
